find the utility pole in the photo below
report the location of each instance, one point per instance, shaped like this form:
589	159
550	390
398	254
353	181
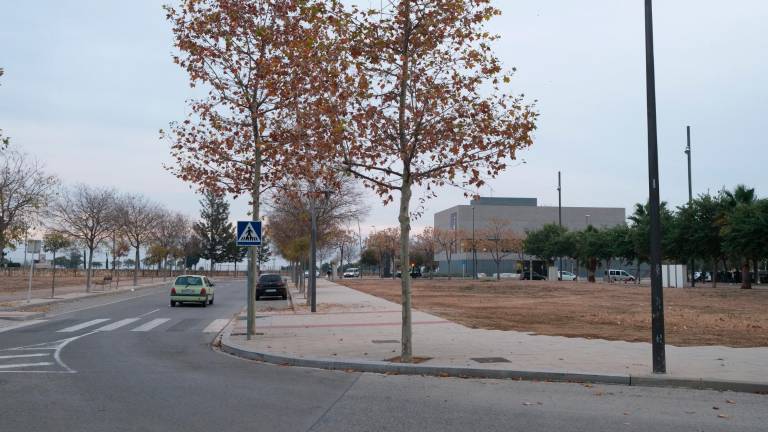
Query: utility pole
560	217
690	196
657	292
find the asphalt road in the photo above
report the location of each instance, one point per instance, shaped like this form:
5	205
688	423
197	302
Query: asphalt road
139	365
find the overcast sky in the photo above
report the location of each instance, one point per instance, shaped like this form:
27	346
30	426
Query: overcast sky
88	85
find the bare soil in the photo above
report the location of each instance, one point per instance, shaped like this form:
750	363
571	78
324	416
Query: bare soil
725	315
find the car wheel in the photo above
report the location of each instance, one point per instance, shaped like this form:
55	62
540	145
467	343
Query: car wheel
173	303
205	303
211	302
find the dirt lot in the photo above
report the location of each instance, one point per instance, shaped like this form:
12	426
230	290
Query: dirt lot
700	316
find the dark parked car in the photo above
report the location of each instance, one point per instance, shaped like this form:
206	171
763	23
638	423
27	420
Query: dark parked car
271	285
415	273
536	276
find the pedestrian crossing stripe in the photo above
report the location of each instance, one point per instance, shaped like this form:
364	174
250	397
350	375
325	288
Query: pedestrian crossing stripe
213	326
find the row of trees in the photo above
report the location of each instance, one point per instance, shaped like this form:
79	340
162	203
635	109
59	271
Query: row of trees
410	94
726	231
102	219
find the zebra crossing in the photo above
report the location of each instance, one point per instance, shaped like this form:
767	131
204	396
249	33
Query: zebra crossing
133	324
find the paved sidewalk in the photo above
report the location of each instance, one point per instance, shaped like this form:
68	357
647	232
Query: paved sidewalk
354	327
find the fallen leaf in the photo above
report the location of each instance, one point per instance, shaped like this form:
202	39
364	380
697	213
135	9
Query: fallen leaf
730	402
715	408
722	416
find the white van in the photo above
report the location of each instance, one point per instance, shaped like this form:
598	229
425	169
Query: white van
619	276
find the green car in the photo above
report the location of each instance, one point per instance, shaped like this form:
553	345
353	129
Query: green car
192	289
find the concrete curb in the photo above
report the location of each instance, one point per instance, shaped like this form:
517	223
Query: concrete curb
227	346
20	316
85	297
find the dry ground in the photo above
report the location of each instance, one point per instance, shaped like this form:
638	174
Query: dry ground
700	316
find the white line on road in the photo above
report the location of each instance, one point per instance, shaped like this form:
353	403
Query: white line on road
150	325
216	326
23	365
75	328
23	355
148	313
21	324
117	325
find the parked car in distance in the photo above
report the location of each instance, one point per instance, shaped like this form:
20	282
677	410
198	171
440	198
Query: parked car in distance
536	276
192	289
619	276
566	276
352	273
306	273
415	273
271	285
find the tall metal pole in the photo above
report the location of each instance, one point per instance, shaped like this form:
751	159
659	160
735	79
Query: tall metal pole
560	217
360	236
251	314
657	292
690	196
474	247
313	257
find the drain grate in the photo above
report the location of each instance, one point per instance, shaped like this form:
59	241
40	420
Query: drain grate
490	359
385	341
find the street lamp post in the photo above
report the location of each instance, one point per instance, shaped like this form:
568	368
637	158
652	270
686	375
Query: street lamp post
560	217
587	218
690	195
657	293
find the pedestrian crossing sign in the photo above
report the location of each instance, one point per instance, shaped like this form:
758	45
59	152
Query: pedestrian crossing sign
248	233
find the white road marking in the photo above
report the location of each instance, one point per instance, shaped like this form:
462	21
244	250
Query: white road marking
148	313
151	324
24	365
75	328
21	324
23	355
216	326
117	325
55	346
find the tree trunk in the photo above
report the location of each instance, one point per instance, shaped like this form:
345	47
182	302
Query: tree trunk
591	268
88	271
714	272
405	275
746	279
498	269
136	266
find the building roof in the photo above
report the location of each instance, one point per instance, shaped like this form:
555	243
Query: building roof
505	201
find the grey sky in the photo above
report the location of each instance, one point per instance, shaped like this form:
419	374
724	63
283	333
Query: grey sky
88	85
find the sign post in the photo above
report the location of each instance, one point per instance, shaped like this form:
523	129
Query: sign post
249	234
33	247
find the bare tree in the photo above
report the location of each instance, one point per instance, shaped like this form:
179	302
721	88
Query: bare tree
85	214
138	218
24	190
446	241
500	241
426	244
170	234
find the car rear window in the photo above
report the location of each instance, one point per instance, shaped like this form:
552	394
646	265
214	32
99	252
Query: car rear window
270	278
189	280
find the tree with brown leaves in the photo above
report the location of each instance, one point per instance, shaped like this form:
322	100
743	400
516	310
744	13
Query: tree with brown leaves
433	108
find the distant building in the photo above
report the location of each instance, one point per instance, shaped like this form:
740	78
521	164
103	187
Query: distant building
523	214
